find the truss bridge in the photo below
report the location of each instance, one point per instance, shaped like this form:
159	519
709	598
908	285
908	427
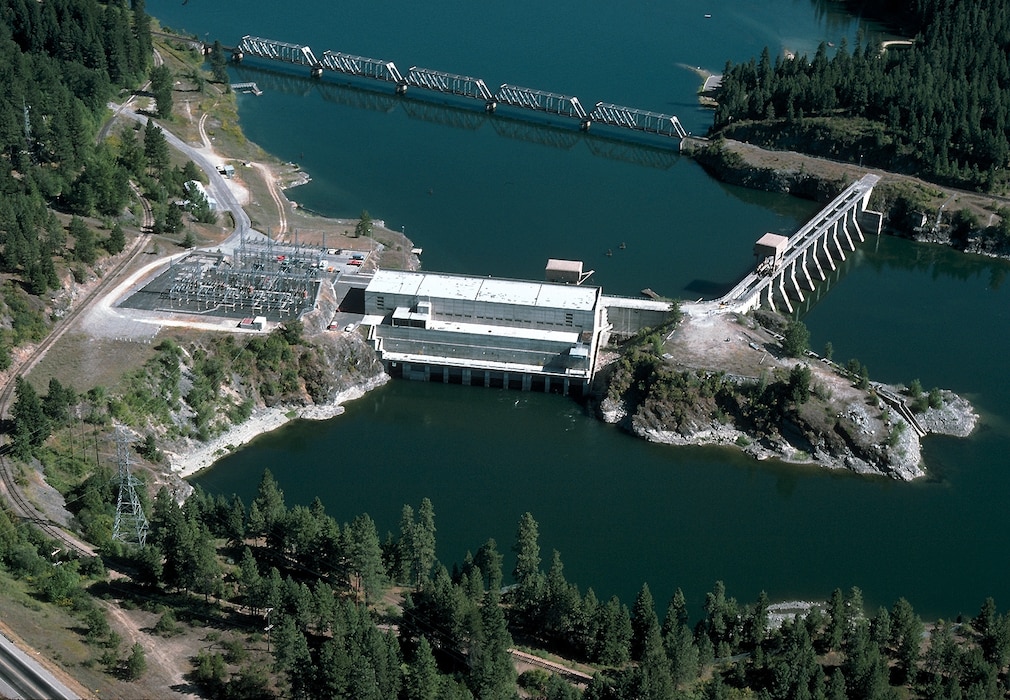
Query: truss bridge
522	99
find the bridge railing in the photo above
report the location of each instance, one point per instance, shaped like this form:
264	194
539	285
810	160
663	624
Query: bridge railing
277	50
630	118
449	83
361	66
540	100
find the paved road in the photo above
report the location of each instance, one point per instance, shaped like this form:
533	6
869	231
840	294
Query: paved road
218	187
23	678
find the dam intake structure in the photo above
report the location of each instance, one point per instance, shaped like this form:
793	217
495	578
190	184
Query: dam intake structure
787	267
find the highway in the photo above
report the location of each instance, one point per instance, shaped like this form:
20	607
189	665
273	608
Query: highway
23	678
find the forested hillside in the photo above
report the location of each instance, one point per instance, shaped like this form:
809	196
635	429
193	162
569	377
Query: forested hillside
60	63
939	109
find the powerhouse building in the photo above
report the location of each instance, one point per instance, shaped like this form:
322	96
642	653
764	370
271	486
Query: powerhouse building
484	330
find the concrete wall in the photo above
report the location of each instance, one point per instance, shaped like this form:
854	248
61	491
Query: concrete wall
445	347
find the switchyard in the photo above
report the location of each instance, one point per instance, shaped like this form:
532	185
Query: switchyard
278	281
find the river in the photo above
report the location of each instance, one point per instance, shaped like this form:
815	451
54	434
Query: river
483	198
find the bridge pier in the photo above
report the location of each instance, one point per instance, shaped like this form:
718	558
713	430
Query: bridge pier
845	230
782	290
806	272
855	225
827	251
796	285
838	246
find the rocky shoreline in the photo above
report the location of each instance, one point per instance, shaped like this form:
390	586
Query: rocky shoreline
956	418
187	462
841	426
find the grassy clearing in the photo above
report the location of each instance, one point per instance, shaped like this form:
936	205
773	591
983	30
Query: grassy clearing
83	362
55	633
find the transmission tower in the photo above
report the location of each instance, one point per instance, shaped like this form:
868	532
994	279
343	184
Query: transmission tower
131	523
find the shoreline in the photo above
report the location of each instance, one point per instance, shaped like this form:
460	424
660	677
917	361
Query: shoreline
189	462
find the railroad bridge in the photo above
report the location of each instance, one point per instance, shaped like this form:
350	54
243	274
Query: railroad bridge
464	86
786	267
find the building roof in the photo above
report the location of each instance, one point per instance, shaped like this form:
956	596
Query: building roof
773	240
554	264
484	289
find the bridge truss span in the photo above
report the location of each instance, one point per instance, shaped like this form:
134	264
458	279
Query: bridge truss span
464	86
364	67
449	83
276	50
540	101
630	118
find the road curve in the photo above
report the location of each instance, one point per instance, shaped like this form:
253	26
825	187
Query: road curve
227	201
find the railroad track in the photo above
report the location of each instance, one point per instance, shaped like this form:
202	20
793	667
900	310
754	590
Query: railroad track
21	506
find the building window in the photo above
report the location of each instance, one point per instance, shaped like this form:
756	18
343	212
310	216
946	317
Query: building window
569	319
379	302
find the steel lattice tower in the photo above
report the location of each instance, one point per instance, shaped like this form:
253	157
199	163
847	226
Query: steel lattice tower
131	523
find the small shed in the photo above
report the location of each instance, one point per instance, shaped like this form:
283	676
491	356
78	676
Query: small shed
566	271
771	245
255	324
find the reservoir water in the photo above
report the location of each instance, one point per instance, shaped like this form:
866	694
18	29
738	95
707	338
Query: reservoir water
490	198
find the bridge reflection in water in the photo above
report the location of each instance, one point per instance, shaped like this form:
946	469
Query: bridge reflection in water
544	132
464	86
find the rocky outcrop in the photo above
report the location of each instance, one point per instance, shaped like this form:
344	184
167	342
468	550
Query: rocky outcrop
777	175
701	388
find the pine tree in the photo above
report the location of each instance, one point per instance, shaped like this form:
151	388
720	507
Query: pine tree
136	663
162	82
492	674
116	240
906	637
155	148
365	557
269	503
84	241
218	64
422	679
643	620
31	427
526	573
489	560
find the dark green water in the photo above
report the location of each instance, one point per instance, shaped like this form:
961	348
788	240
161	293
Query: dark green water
619	510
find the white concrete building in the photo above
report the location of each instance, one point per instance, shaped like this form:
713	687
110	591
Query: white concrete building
484	330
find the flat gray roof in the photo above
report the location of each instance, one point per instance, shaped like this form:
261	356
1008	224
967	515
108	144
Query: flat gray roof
564	265
486	289
636	303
